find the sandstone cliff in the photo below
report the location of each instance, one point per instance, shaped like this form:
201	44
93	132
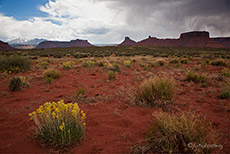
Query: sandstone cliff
56	44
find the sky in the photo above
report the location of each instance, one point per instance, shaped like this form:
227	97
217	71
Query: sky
109	21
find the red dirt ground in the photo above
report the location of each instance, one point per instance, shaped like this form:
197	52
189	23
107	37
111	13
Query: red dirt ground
113	124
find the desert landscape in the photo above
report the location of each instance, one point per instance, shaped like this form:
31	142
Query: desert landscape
105	81
115	77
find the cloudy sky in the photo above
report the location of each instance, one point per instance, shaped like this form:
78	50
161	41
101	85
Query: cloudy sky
109	21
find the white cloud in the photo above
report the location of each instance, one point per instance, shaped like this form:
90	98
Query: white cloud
109	21
67	19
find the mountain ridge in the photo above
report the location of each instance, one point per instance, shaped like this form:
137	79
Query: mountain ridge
187	39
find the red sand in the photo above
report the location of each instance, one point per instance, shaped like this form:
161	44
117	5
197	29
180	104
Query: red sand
113	125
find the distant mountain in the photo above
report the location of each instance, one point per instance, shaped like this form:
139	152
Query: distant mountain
23	46
189	39
35	41
5	46
57	44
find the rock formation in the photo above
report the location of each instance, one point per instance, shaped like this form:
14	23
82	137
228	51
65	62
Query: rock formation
225	41
189	39
197	39
5	46
56	44
127	42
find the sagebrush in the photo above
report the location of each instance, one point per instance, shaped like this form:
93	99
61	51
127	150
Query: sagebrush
175	133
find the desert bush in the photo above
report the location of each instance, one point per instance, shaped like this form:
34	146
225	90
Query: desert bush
179	133
116	67
156	91
225	92
112	75
15	83
59	124
67	65
88	64
127	63
49	79
80	92
143	65
160	63
51	74
14	64
195	77
44	62
197	67
207	61
44	65
113	67
226	72
219	62
102	64
184	61
174	61
190	58
152	64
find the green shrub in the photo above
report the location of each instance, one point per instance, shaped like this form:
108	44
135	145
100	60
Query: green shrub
178	133
225	93
51	74
116	67
174	61
44	65
59	124
195	77
80	92
197	67
49	79
184	61
152	64
207	61
15	83
226	72
219	62
14	64
160	63
143	65
156	91
112	75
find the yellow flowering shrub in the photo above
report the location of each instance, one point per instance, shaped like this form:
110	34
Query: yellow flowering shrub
58	123
127	63
88	64
67	65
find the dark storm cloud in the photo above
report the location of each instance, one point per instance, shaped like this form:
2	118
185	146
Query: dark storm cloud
170	17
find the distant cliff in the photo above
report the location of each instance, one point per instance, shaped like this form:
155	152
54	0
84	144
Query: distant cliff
56	44
5	46
189	39
127	42
225	41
